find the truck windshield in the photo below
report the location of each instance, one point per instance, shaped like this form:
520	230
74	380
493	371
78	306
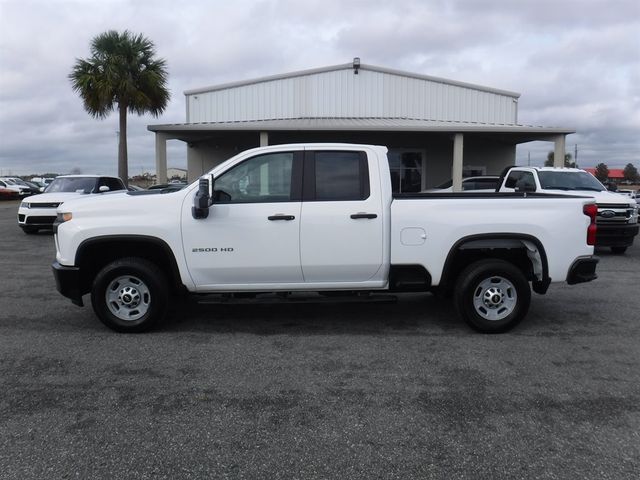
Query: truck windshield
75	184
569	181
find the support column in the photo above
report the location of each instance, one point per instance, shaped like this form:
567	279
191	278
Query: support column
161	157
264	139
559	151
456	170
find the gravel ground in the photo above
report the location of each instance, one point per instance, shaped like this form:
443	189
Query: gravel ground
317	390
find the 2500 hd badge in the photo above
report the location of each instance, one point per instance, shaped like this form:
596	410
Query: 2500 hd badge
212	249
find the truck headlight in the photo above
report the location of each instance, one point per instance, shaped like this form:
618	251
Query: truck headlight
64	217
25	205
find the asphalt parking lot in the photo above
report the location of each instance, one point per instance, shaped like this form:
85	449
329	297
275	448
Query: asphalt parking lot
348	390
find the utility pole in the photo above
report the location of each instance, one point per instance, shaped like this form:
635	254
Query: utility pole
575	154
528	159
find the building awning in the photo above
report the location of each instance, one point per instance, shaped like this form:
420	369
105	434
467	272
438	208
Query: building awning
520	133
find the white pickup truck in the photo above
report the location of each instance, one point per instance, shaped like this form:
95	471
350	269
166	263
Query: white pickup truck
318	218
617	217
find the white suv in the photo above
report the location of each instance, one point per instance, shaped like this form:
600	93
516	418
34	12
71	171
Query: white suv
39	211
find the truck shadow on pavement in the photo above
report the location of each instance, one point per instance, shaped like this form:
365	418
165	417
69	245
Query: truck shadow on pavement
417	315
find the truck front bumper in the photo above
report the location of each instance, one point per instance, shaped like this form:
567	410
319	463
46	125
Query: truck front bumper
68	282
616	235
583	270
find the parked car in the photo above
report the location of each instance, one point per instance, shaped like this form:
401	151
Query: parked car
12	185
39	211
43	181
8	194
485	183
33	188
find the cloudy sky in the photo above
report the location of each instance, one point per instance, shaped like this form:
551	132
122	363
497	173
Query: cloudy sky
576	64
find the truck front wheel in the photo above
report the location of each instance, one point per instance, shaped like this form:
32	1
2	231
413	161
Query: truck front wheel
130	295
492	295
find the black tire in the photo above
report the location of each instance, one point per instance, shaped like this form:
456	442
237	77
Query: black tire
136	281
30	230
618	250
492	295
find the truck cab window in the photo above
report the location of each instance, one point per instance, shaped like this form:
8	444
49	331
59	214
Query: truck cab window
526	180
341	176
261	179
114	184
512	179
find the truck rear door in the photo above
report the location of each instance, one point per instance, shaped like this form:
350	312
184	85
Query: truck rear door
341	229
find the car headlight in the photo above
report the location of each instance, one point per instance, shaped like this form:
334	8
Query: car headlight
25	205
64	217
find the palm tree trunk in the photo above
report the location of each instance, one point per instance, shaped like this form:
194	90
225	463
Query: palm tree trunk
123	170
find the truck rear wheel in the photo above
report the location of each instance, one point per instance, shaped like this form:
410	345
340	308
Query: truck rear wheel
130	295
492	295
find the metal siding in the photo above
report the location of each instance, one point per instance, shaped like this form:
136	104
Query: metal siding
341	94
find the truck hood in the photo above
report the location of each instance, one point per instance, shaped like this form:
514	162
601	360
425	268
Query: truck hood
127	203
600	197
56	197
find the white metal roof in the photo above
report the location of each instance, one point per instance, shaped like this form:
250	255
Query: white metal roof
349	66
338	92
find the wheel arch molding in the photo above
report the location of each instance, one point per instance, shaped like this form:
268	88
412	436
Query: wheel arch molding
498	243
94	253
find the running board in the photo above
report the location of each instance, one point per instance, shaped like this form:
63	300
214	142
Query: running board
262	299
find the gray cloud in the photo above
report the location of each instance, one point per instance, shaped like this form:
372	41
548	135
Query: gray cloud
576	63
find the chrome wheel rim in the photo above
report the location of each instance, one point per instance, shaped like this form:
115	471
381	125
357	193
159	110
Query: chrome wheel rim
495	298
128	298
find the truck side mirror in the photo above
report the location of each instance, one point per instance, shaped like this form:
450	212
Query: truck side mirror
103	188
202	199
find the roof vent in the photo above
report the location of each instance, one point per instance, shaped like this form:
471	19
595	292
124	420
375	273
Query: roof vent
356	65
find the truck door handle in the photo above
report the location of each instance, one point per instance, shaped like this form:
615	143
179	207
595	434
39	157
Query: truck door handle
279	216
355	216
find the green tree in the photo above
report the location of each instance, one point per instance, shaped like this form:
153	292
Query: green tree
122	73
602	172
567	160
630	173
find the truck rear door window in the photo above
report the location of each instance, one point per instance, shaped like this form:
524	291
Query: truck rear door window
519	179
341	176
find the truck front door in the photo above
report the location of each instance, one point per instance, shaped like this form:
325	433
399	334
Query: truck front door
252	233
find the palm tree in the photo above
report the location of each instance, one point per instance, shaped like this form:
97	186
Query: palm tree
122	72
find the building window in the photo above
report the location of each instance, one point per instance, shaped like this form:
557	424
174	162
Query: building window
407	172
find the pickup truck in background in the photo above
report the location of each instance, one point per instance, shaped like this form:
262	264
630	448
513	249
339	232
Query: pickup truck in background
617	218
485	183
318	218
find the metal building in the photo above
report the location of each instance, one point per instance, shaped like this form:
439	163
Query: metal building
436	129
